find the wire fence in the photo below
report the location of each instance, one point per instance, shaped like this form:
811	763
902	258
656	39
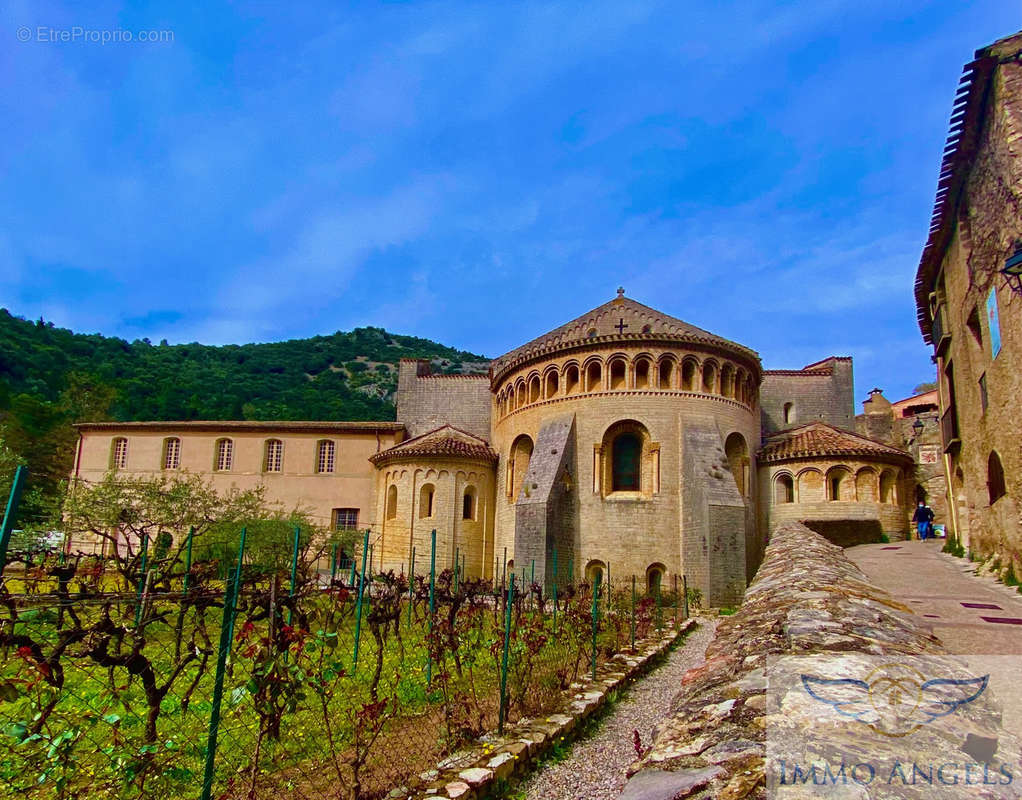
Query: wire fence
176	678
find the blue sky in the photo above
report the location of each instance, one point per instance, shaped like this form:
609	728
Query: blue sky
479	173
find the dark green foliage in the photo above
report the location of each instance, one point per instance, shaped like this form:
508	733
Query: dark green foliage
954	546
296	379
51	378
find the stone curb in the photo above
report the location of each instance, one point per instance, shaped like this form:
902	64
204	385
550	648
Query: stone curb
471	774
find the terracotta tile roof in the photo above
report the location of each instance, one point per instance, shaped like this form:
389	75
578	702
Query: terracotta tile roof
818	439
620	320
444	442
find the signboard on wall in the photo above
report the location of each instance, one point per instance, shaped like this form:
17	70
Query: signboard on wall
993	324
929	454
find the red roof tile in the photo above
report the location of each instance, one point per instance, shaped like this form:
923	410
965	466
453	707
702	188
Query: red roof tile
444	442
818	439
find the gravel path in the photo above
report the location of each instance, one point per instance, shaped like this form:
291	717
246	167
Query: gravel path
595	767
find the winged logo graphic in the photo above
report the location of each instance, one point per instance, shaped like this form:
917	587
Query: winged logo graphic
895	700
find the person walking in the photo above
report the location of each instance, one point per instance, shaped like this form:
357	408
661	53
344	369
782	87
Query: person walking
923	518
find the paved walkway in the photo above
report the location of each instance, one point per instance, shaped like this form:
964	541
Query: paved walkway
595	766
971	614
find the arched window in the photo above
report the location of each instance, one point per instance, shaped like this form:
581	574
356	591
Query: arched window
654	577
521	393
995	477
273	455
119	453
727	380
594	377
709	378
666	373
510	399
737	452
426	496
785	489
224	455
888	487
534	388
171	453
518	465
595	570
839	484
642	367
789	413
325	456
618	374
551	384
866	485
811	486
627	462
571	377
392	502
688	375
468	504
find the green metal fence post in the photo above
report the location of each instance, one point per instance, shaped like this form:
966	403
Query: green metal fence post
596	616
659	610
188	558
144	570
358	602
226	627
571	570
13	501
333	564
237	577
432	602
502	714
554	593
684	589
411	586
457	567
294	573
633	612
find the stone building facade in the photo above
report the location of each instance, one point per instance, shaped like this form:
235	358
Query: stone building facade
850	488
968	308
625	442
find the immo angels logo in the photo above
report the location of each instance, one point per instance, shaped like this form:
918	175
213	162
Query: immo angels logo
895	699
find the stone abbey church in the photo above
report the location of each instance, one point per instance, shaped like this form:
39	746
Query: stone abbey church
625	440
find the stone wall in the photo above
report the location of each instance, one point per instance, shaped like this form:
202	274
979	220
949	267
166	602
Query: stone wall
807	598
860	501
821	391
985	231
426	401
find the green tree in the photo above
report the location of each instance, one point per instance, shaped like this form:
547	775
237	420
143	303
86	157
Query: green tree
128	513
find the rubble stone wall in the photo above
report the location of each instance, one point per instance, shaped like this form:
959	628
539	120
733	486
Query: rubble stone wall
807	597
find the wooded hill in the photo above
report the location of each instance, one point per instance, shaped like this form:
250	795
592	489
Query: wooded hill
51	377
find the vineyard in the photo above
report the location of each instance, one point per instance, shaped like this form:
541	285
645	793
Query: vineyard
160	675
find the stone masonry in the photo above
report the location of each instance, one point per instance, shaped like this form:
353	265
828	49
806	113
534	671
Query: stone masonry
807	598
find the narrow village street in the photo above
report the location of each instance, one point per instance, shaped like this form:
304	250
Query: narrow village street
971	614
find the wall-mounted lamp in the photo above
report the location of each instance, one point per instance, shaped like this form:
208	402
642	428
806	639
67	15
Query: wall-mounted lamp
917	427
1013	269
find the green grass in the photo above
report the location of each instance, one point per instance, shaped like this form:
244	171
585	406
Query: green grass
95	735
